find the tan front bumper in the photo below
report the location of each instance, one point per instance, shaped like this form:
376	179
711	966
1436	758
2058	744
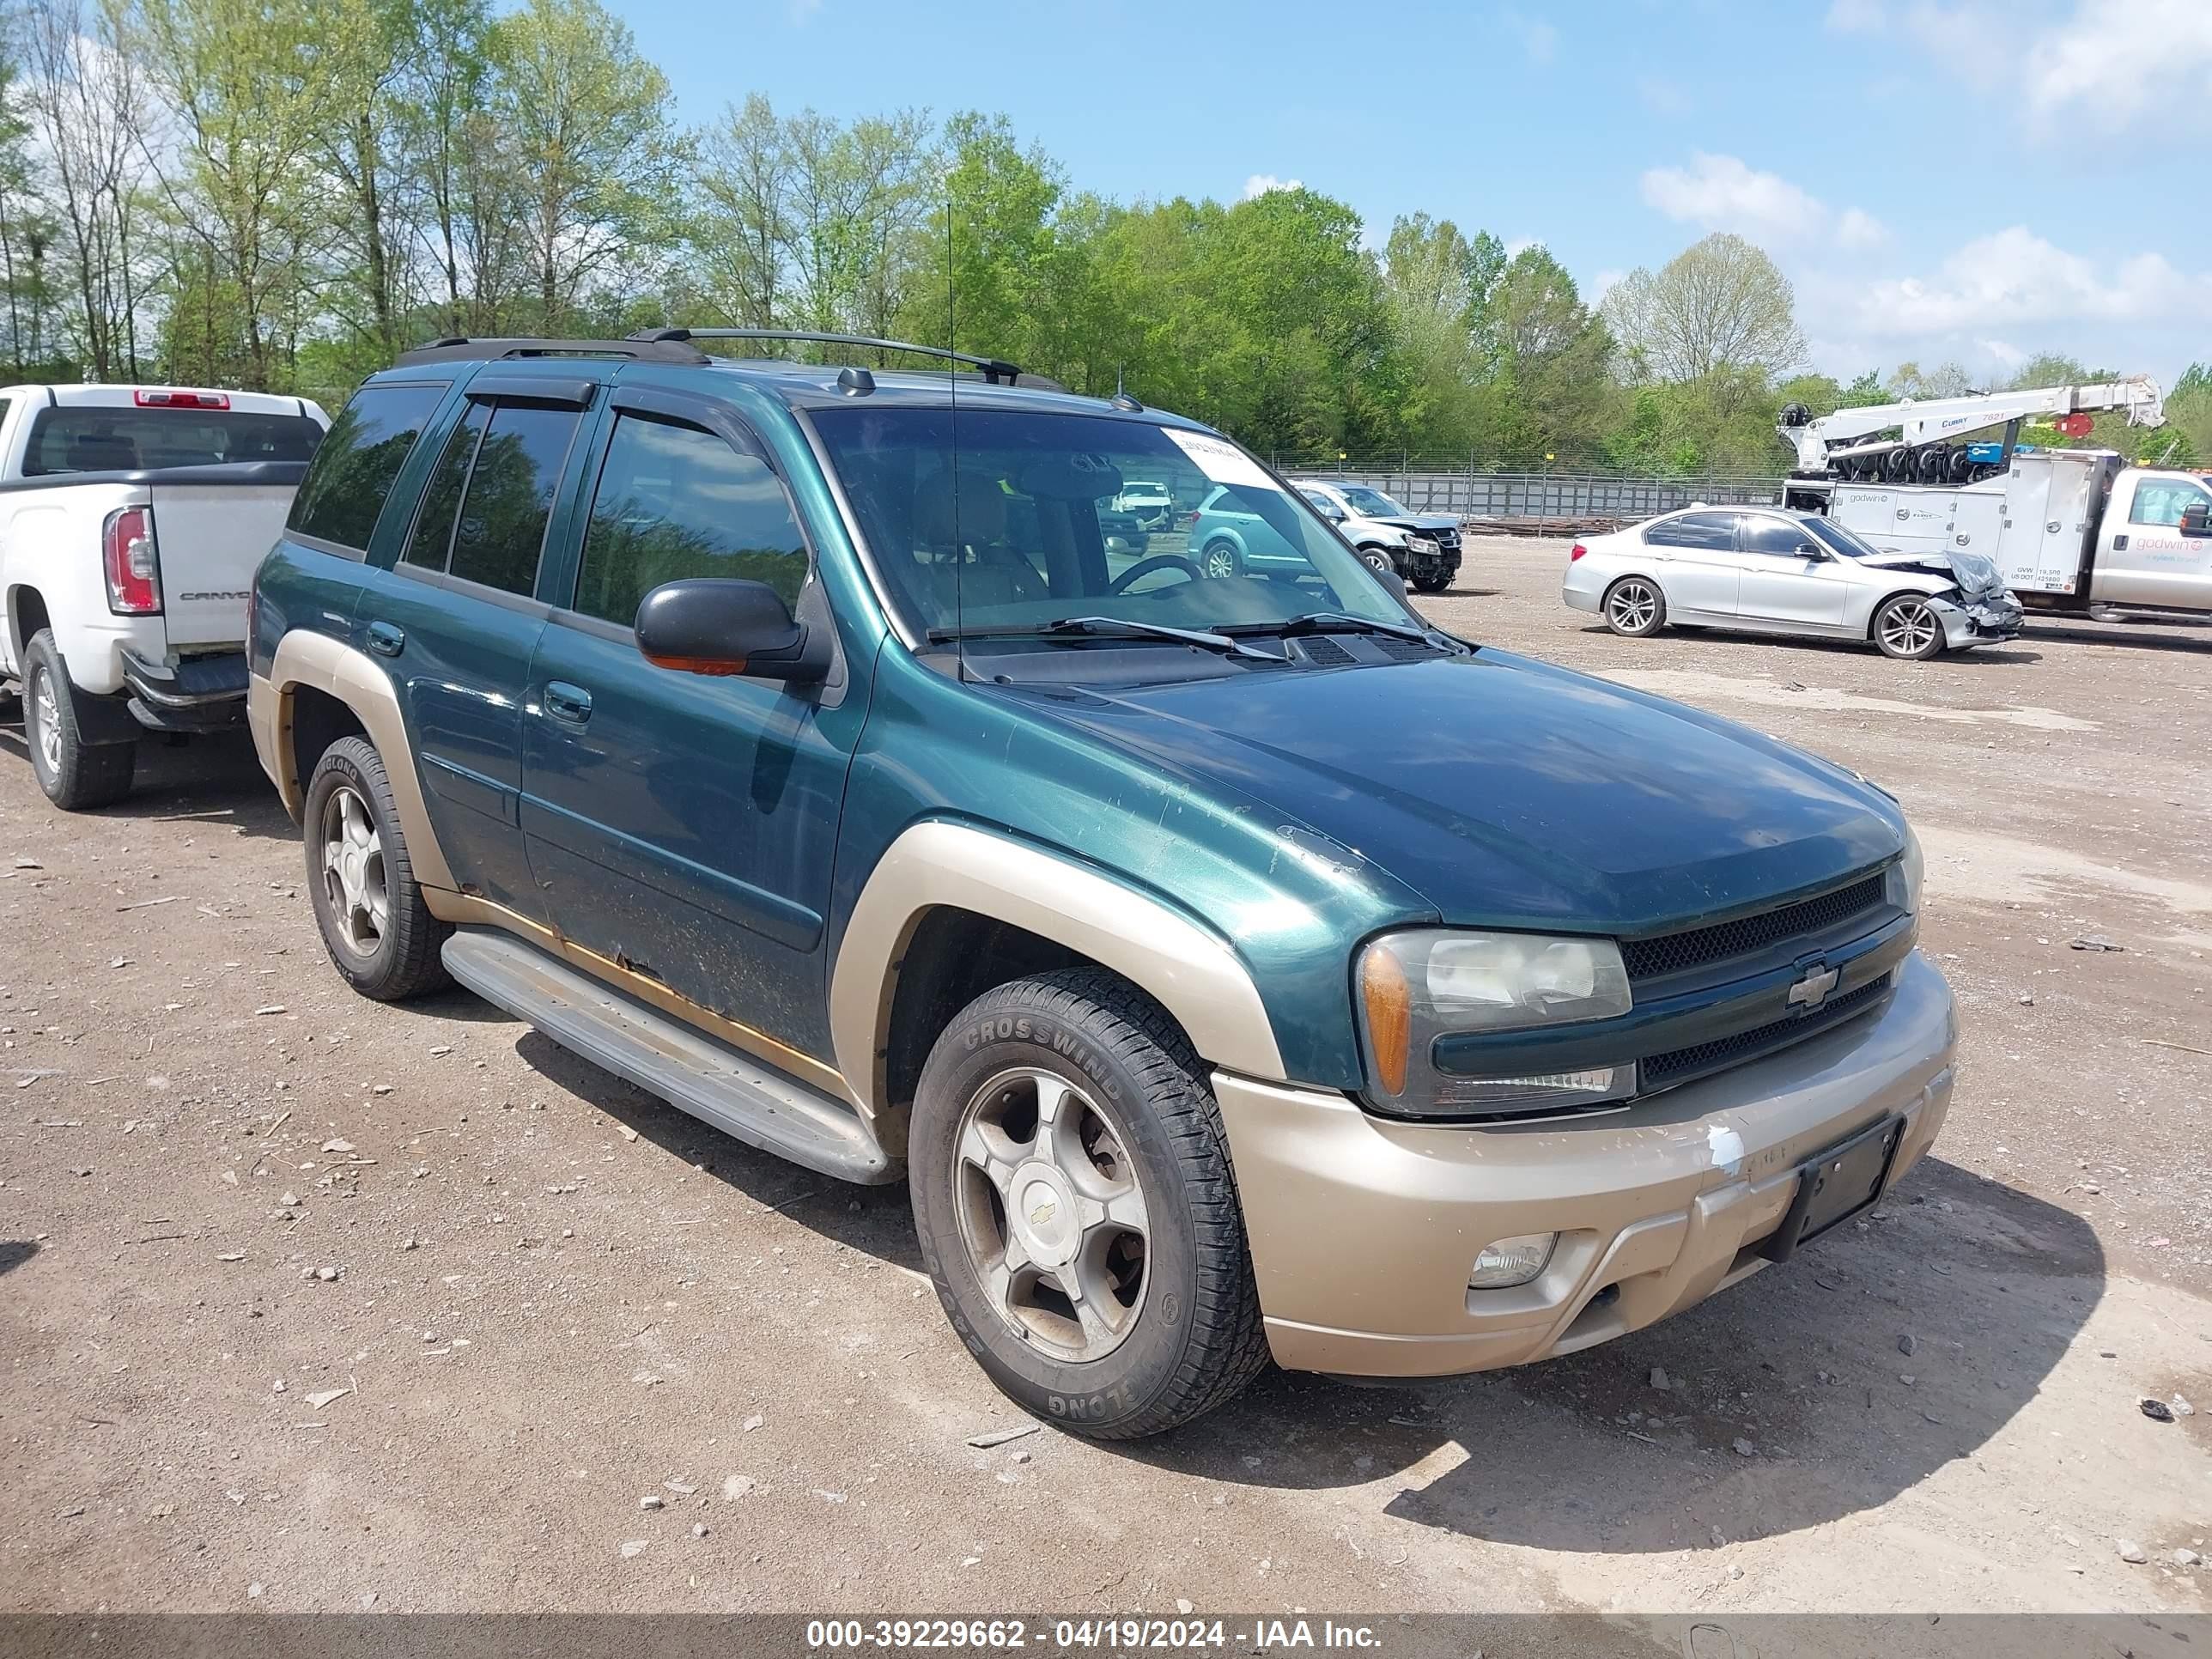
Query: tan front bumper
1363	1231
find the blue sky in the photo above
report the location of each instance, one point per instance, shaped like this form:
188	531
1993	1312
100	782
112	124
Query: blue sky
1966	180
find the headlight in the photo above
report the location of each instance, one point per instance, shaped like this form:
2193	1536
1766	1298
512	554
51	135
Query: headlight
1416	987
1421	544
1907	876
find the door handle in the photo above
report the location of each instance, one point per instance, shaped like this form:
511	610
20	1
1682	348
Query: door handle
564	701
385	640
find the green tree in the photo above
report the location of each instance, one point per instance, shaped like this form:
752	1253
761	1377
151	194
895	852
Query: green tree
255	87
1720	304
589	124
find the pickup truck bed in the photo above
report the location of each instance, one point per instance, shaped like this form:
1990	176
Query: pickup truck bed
126	586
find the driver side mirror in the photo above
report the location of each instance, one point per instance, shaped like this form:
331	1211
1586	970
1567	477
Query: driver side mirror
1813	552
726	625
2196	521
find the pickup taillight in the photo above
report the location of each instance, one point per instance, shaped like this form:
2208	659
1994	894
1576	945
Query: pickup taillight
134	565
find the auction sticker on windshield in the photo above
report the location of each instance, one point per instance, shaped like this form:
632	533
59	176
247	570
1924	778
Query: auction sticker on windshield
1219	459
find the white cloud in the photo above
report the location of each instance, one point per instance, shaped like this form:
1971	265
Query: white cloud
2016	277
2003	353
1857	229
1600	285
2121	59
2095	66
1261	183
1538	39
1721	192
1662	96
1521	245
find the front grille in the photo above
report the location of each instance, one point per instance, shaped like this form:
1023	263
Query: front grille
1674	953
1662	1070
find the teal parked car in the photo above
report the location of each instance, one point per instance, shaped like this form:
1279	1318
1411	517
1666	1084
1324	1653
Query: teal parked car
1233	965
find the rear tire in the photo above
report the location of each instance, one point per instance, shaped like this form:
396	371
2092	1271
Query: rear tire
369	907
1220	560
1906	626
1077	1211
74	774
1635	608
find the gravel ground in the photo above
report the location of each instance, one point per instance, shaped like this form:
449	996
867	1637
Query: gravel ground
314	1304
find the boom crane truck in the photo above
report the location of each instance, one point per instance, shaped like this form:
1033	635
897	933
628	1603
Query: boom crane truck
2069	530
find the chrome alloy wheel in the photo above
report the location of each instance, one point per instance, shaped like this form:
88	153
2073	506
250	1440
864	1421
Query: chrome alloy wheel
46	715
1220	561
1051	1214
353	872
1908	628
1633	606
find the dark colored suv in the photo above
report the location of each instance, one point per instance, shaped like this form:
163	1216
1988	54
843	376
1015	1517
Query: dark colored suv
1232	963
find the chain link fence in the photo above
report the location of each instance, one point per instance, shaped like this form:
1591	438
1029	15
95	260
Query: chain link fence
1553	497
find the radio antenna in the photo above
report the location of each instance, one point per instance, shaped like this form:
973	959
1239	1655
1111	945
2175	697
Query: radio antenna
952	391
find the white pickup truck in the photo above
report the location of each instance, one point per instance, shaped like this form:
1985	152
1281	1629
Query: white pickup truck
132	520
2067	529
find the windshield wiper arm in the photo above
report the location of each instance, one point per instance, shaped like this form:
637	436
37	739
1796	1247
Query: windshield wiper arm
1325	622
1107	628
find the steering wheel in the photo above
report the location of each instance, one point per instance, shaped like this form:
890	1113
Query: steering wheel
1157	562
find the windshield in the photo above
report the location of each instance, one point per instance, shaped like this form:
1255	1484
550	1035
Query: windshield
1843	541
1016	527
100	438
1372	504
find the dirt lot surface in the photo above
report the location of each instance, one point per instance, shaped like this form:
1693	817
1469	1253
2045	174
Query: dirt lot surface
311	1303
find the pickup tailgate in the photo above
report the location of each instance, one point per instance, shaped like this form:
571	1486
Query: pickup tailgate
212	536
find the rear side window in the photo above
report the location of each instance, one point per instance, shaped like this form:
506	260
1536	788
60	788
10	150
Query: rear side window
1706	529
354	470
674	501
485	514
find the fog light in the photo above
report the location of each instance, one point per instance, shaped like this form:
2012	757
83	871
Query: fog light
1511	1262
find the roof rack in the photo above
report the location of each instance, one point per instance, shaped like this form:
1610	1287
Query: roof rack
994	369
458	348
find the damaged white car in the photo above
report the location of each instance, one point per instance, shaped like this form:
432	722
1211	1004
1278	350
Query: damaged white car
1765	571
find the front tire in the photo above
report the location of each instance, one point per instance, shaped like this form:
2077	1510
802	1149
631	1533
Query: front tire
1635	608
1906	626
1077	1211
74	774
369	906
1379	561
1431	584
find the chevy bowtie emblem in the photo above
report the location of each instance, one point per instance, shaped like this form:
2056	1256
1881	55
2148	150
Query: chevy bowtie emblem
1043	1213
1812	991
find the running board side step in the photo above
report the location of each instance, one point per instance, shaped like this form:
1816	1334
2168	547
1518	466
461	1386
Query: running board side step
743	1098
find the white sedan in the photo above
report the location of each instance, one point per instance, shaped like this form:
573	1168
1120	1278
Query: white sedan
1763	571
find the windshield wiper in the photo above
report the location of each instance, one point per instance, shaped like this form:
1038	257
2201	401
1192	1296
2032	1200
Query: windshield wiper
1107	628
1330	621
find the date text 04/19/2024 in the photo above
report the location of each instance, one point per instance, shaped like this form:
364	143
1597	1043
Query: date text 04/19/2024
1086	1635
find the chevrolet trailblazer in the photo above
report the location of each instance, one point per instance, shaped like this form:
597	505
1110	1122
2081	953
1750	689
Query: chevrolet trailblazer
1233	965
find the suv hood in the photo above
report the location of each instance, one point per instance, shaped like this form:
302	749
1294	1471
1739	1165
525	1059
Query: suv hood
1416	521
1976	577
1503	790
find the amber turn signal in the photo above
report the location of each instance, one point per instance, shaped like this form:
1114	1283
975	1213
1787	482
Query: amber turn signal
1389	1016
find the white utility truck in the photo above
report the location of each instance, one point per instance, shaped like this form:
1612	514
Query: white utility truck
131	522
2067	529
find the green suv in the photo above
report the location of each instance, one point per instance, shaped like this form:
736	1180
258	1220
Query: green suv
1232	965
